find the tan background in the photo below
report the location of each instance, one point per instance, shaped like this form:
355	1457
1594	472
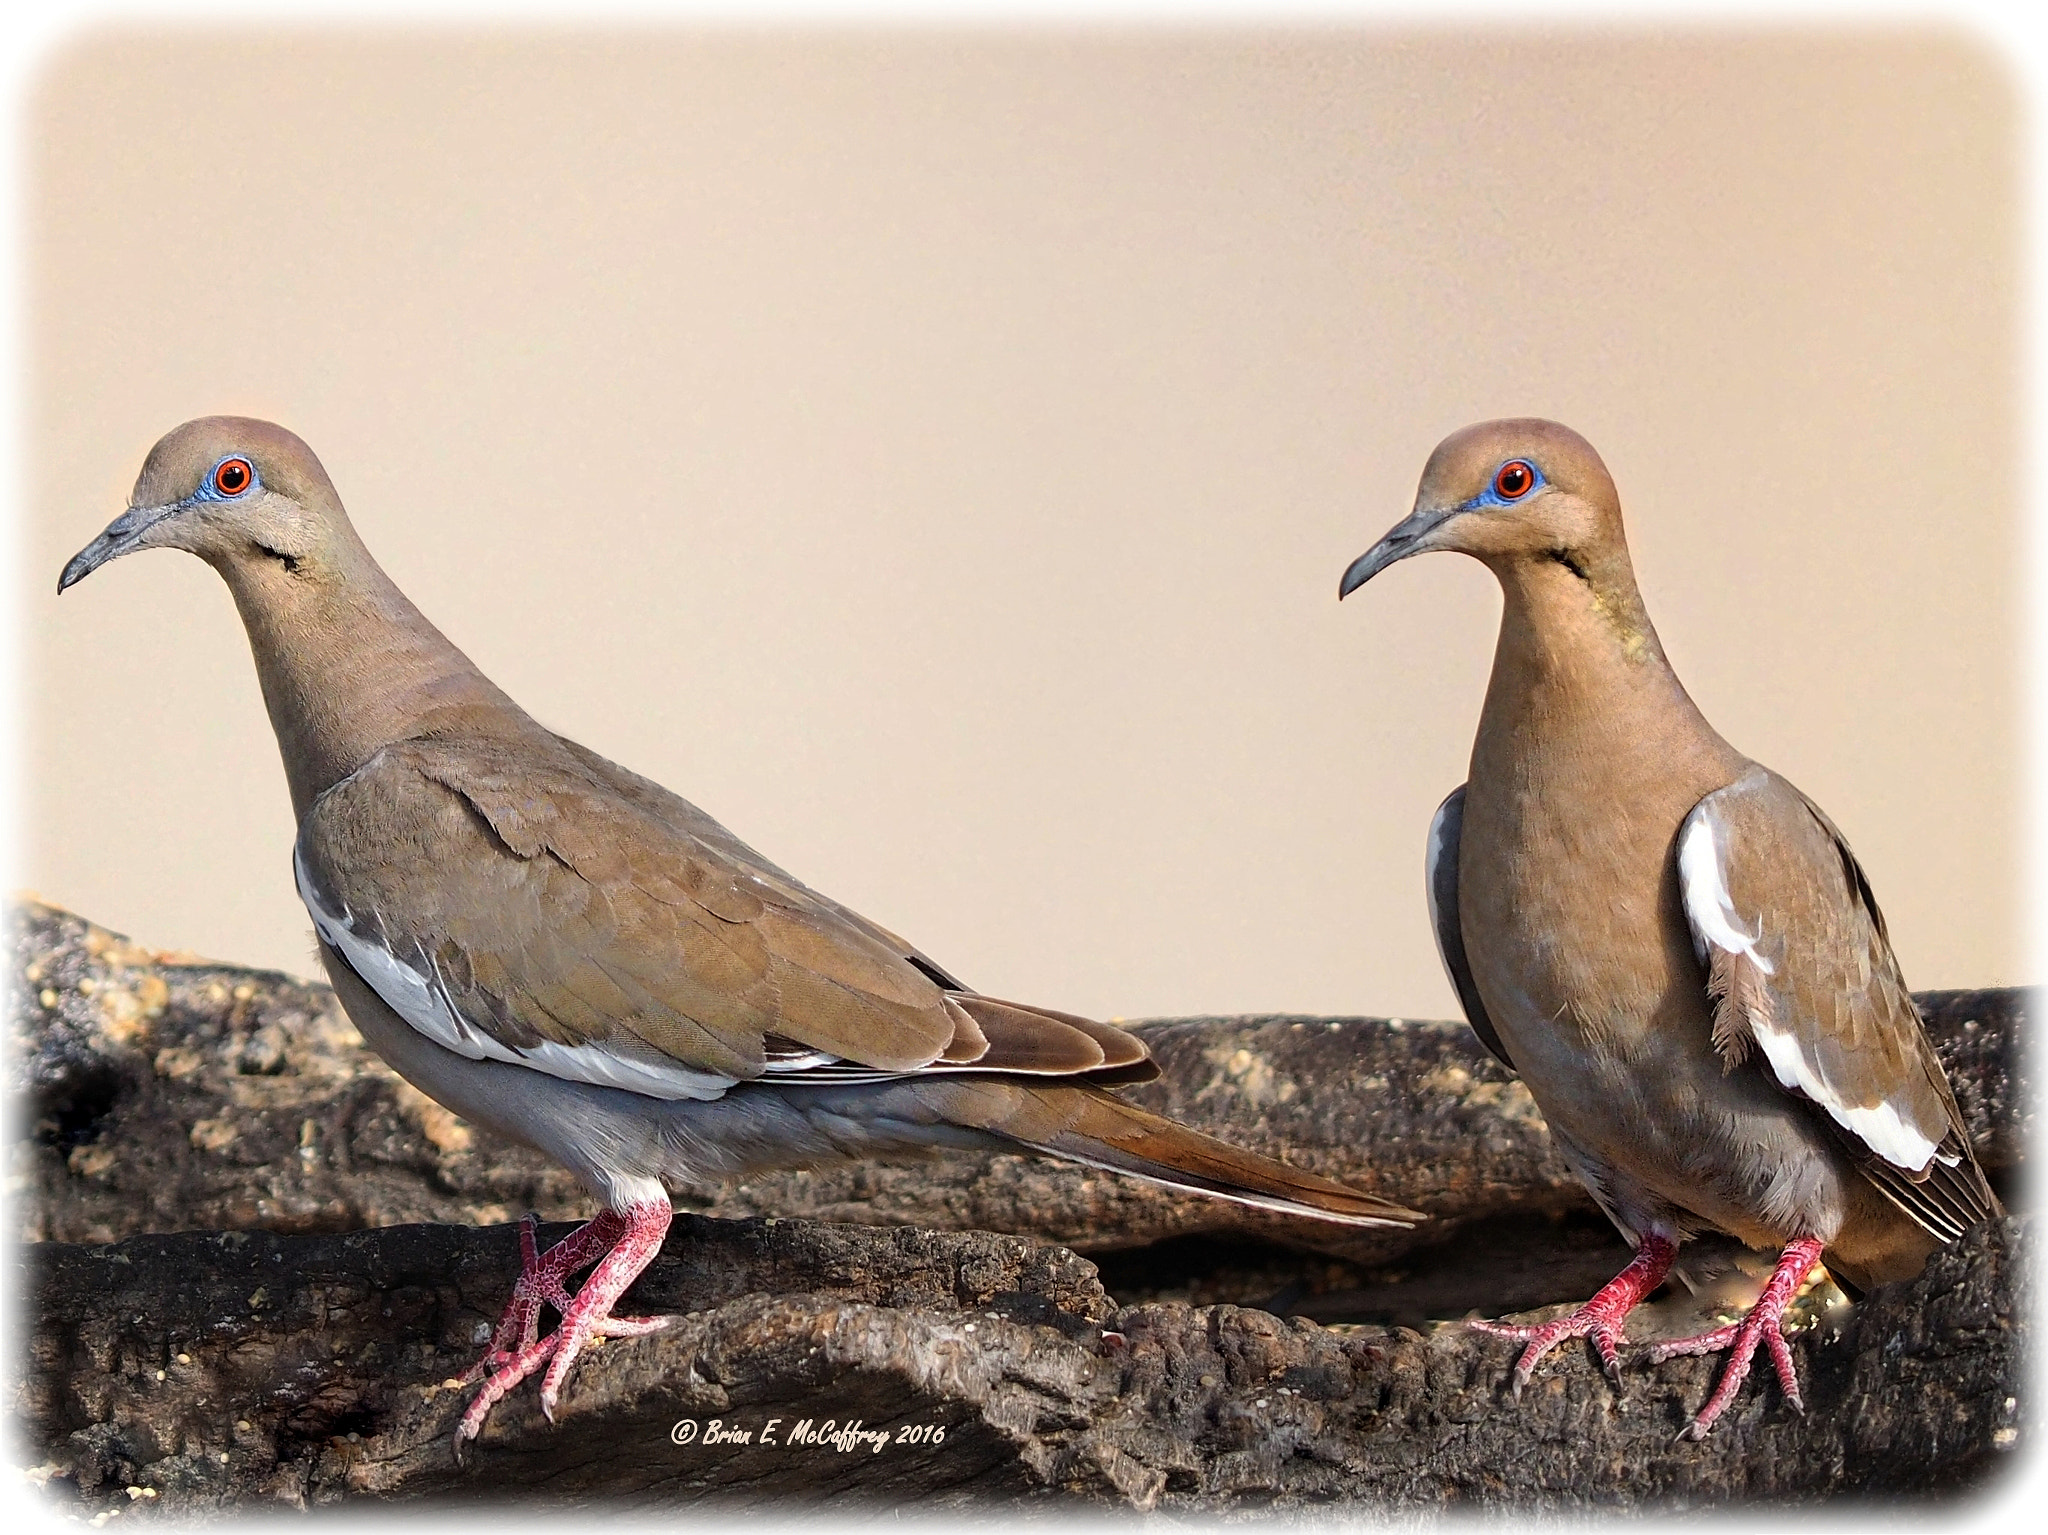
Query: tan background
935	453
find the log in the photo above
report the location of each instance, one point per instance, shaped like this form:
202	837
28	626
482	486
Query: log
206	1372
221	1194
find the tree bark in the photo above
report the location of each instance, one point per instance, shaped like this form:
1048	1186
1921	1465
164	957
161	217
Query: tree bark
286	1333
219	1371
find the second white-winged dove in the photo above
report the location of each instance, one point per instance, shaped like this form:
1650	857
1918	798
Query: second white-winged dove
1672	945
567	953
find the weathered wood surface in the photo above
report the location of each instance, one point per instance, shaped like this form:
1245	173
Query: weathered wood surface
229	1369
175	1096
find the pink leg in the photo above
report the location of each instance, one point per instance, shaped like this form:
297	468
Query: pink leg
1600	1318
1765	1323
634	1236
541	1281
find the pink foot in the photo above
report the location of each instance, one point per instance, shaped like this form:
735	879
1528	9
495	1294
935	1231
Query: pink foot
1764	1324
541	1281
628	1239
1599	1319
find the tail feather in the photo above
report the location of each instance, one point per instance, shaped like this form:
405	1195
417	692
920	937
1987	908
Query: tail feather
1038	1040
1087	1125
1120	1048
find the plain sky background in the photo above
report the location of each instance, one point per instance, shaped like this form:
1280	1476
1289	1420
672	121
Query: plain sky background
935	452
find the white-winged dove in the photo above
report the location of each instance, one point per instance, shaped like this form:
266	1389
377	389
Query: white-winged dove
573	956
1672	945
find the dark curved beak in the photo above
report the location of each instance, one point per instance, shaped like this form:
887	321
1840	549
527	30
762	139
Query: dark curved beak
1403	539
123	534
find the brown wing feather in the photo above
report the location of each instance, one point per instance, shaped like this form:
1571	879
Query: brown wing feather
1120	1047
1836	992
581	919
1025	1039
596	909
1104	1048
672	809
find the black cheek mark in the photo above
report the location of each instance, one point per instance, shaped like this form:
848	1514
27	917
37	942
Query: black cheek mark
290	562
1569	561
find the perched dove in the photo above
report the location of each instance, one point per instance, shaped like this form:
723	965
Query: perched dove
1672	945
571	955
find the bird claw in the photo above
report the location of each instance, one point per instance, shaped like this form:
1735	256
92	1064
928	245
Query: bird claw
1610	1366
1604	1331
627	1241
1763	1324
1600	1319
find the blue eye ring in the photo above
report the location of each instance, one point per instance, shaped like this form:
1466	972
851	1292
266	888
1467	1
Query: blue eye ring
232	476
1515	479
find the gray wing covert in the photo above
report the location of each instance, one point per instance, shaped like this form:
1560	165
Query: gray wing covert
1446	829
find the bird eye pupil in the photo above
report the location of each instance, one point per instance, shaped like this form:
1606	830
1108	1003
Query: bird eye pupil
1513	480
232	477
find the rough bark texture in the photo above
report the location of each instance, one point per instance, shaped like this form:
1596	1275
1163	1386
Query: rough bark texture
165	1094
224	1369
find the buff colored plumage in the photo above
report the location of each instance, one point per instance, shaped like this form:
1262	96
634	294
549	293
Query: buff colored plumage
1672	945
570	954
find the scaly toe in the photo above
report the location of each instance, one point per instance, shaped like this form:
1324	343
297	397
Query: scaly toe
1510	1330
1610	1366
1705	1343
632	1326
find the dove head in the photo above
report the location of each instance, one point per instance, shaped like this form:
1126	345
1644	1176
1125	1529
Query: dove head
236	492
1506	492
347	664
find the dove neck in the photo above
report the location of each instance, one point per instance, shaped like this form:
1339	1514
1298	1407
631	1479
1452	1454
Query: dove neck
1579	666
348	665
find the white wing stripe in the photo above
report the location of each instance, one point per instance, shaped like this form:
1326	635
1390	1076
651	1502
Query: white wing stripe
1711	913
408	993
421	1001
1878	1126
1708	906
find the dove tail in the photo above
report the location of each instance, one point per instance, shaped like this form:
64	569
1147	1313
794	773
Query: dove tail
1098	1129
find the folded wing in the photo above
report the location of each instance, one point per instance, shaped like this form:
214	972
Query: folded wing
1440	881
546	908
1801	973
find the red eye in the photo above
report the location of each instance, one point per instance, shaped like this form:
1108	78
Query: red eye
1513	480
232	476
